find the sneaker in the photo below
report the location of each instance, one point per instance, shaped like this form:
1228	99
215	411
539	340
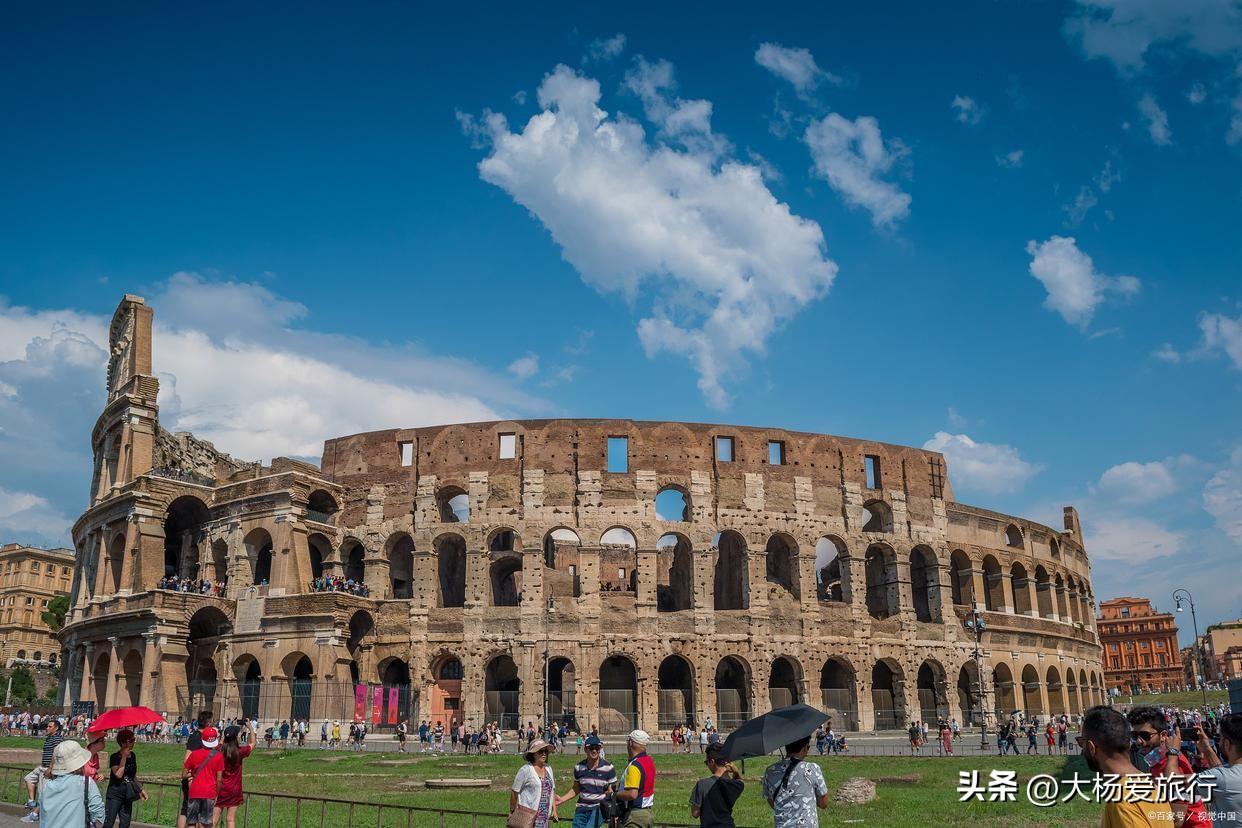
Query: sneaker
33	816
31	804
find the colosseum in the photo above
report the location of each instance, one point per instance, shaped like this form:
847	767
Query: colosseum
611	573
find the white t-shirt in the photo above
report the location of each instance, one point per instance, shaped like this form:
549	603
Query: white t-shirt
528	785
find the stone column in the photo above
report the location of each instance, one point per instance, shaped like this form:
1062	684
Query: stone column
645	599
114	667
150	669
86	695
978	587
101	566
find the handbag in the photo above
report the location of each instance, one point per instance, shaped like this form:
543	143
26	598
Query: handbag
132	791
522	817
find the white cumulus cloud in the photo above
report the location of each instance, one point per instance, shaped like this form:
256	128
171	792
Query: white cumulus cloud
1222	497
1135	482
1222	333
718	262
1010	160
605	48
1075	288
990	468
1124	31
525	367
967	110
794	65
852	156
1133	540
1157	120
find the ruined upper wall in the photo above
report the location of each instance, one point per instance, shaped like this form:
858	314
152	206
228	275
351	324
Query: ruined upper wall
181	454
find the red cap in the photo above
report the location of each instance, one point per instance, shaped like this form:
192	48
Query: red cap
211	737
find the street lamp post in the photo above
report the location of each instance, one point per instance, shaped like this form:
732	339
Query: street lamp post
1177	598
976	625
546	663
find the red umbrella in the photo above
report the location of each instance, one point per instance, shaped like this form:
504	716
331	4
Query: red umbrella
125	717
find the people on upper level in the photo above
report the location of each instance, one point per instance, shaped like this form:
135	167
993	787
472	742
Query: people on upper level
204	586
338	583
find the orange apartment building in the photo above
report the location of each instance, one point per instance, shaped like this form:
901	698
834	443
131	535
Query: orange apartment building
1140	647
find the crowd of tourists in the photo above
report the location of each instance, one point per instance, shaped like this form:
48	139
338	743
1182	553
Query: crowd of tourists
205	586
337	583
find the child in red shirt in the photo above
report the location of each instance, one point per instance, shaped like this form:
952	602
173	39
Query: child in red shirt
203	768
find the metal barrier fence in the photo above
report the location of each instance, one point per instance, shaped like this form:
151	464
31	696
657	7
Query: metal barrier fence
380	706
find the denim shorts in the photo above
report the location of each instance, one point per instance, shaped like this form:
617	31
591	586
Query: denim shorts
199	811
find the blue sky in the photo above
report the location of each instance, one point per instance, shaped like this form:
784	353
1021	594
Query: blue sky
1007	231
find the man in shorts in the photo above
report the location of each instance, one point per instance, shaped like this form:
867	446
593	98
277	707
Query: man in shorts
203	769
193	742
34	779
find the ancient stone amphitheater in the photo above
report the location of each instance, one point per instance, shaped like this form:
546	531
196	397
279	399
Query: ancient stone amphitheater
609	572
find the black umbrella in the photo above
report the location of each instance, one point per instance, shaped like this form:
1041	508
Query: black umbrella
772	731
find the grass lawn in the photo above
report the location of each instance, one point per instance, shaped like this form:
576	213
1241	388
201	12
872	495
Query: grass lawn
1186	701
919	791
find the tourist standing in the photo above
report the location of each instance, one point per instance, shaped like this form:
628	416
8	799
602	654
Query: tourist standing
594	776
323	735
1149	728
532	797
914	733
203	769
70	798
52	738
712	800
231	791
402	729
1227	778
794	788
638	782
1105	743
123	787
946	737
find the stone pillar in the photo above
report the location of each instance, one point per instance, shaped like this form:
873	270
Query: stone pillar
1032	595
940	596
978	587
645	599
150	670
86	693
114	671
101	566
704	563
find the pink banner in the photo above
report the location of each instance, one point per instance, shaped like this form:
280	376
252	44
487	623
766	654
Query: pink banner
377	705
360	702
393	701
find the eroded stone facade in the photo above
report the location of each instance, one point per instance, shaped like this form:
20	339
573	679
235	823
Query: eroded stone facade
782	566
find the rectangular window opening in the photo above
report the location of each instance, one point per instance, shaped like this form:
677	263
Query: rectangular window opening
407	454
724	449
508	446
619	454
874	480
776	452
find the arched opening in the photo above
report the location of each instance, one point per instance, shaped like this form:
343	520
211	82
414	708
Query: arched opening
781	556
829	585
560	537
784	682
1004	692
618	695
259	551
672	504
1062	608
116	560
1043	593
1084	691
502	540
933	703
506	581
451	562
877	516
395	681
1020	583
838	694
883	599
561	691
675	577
321	506
1056	693
502	688
361	626
249	685
131	667
676	688
1054	548
1013	537
618	536
1032	703
994	585
355	557
183	528
99	676
401	567
220	562
447	674
732	693
961	578
301	681
208	628
886	696
319	548
730	589
924	584
453	504
968	694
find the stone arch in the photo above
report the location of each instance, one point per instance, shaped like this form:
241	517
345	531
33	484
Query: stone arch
675	682
208	628
888	694
883	598
505	577
502	689
1054	548
931	682
354	560
1043	593
249	676
733	695
299	672
618	694
400	553
961	578
219	561
320	550
321	506
829	581
361	627
131	673
258	543
504	539
675	573
100	676
394	674
1020	583
781	564
562	691
993	585
925	583
785	681
1013	537
1004	691
1032	699
618	536
560	536
447	674
183	529
1056	691
968	693
451	570
672	503
730	579
1075	606
453	504
839	692
877	517
1062	606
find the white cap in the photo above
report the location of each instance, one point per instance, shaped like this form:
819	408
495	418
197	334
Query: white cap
639	737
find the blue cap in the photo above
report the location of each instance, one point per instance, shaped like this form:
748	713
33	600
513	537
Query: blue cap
592	741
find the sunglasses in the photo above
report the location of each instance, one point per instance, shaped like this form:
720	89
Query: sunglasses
1143	735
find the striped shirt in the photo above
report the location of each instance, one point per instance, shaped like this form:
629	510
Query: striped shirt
49	747
593	783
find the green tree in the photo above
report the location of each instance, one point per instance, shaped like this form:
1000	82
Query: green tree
22	690
54	615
